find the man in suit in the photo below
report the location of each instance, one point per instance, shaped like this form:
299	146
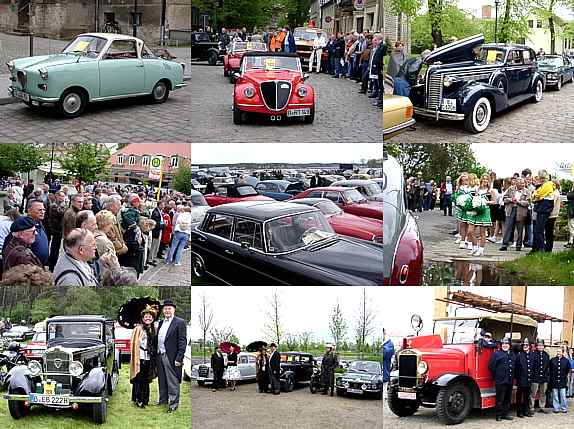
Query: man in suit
218	366
275	369
172	341
157	217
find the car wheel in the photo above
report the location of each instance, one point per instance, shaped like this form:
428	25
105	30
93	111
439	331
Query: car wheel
237	115
72	103
212	59
538	91
401	407
310	118
289	384
198	266
159	93
100	412
479	117
453	403
17	408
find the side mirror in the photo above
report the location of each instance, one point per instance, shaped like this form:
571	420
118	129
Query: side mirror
305	76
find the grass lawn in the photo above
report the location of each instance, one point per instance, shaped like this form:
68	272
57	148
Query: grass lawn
544	268
121	412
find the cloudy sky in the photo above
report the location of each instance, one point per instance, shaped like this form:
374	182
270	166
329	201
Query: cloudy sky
401	303
302	308
227	153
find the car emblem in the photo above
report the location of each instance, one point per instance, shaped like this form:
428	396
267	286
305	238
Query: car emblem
284	86
57	363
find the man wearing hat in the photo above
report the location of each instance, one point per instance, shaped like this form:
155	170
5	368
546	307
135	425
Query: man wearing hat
501	365
486	341
275	369
523	380
559	370
218	367
540	375
18	250
328	365
171	339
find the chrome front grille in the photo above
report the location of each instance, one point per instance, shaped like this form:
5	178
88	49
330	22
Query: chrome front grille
203	371
57	361
22	79
434	93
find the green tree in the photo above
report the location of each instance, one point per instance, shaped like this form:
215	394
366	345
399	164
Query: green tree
82	301
296	12
20	158
87	162
182	179
435	19
547	11
337	325
513	22
236	13
43	308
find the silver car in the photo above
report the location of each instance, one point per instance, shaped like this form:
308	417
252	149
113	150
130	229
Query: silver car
202	373
198	206
369	188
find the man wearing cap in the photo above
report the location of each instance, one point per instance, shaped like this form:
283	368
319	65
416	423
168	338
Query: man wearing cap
523	380
559	370
275	369
18	250
501	366
172	341
540	375
328	365
485	341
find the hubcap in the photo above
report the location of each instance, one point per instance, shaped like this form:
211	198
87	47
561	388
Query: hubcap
480	114
456	402
72	103
159	91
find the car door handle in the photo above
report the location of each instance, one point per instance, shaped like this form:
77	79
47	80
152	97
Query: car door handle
140	65
229	252
201	239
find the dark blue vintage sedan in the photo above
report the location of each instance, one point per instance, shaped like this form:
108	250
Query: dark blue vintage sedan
557	69
280	243
280	190
470	81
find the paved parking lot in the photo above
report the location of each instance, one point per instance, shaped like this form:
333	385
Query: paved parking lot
341	116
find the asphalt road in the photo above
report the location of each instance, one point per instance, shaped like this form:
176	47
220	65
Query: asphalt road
299	409
341	116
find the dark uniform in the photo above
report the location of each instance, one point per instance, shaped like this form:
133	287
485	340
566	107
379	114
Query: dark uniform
328	365
501	366
540	374
524	362
559	370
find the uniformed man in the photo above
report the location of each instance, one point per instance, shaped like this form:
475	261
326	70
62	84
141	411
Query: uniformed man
523	380
486	341
540	368
559	370
328	365
501	366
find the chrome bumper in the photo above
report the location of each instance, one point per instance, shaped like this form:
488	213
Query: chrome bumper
438	114
389	132
12	90
77	399
180	85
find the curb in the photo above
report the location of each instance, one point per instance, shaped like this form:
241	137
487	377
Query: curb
8	100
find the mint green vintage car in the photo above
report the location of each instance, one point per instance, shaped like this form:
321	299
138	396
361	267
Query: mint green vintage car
94	67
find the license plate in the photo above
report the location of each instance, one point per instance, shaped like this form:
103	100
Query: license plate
354	391
408	395
449	104
299	112
22	95
49	399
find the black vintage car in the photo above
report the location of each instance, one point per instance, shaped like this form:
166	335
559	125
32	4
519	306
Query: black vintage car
469	81
203	48
362	378
296	368
557	69
280	243
79	369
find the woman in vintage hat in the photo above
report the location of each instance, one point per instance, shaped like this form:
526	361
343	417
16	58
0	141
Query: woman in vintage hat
143	364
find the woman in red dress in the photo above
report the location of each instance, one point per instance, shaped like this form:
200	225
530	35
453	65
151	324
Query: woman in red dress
166	233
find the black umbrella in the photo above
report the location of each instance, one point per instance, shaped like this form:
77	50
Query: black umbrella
129	314
256	346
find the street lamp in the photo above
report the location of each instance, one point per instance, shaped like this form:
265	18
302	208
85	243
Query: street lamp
496	3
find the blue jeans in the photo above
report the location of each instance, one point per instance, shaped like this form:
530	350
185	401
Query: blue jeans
340	70
178	242
559	400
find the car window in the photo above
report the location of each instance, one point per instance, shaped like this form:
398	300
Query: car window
89	45
109	331
306	359
315	194
243	359
252	359
270	187
246	190
334	196
122	50
515	57
220	225
222	191
147	52
250	232
527	57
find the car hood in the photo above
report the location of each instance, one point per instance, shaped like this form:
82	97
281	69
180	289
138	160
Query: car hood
257	77
357	223
461	50
363	376
49	61
549	68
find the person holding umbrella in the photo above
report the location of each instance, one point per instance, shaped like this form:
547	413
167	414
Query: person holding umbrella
143	364
232	374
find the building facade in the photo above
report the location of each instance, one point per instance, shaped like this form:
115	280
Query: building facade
347	15
539	36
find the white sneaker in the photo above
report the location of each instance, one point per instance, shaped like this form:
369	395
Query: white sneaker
462	245
469	245
499	242
479	252
513	244
177	264
457	241
492	239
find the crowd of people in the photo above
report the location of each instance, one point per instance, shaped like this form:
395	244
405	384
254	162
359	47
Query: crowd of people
517	212
89	234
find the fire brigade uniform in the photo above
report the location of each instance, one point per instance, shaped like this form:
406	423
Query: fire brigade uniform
501	366
559	370
540	362
523	381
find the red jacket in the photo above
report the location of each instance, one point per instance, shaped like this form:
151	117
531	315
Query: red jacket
166	233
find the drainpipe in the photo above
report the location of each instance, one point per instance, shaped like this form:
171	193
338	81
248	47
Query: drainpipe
162	34
135	19
97	17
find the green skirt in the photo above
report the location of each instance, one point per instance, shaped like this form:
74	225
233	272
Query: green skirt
479	217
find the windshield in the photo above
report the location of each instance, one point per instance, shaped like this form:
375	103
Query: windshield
372	189
297	231
354	196
363	366
85	45
551	61
491	56
328	208
246	191
249	46
74	330
306	34
40	337
456	331
202	37
198	200
270	63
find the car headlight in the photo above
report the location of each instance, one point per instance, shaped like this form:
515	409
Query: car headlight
249	92
43	73
422	368
302	91
10	65
34	367
76	368
552	75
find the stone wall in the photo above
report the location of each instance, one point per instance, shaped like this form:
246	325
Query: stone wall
61	19
8	15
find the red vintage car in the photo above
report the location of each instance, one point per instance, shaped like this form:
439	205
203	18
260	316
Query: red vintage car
235	51
272	84
123	341
231	193
349	199
36	347
346	223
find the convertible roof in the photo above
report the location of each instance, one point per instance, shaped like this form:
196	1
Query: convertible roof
113	36
79	318
261	210
269	54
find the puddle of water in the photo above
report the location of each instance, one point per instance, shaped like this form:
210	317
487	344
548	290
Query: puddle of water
465	273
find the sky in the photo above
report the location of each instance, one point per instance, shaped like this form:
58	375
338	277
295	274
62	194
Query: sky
302	308
227	153
509	158
401	303
477	4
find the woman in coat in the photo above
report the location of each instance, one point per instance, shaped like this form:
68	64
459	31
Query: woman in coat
166	232
143	364
262	371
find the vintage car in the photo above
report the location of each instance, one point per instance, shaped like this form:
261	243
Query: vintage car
186	372
202	373
279	190
94	67
455	83
36	347
272	84
205	49
557	69
197	185
349	199
368	188
19	333
232	193
199	206
397	115
346	223
449	371
123	341
79	369
362	378
402	238
305	38
280	243
235	51
296	368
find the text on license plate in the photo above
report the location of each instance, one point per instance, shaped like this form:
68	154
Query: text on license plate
354	391
408	395
299	112
49	399
22	95
449	104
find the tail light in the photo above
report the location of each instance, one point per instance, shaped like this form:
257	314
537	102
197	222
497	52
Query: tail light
409	112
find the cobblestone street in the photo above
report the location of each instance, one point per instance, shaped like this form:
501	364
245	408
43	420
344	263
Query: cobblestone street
169	275
342	115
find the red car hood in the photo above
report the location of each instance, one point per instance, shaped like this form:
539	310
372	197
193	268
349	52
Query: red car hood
359	225
262	76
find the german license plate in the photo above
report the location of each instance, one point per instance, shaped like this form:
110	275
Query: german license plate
49	399
299	112
449	104
22	95
408	395
355	391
